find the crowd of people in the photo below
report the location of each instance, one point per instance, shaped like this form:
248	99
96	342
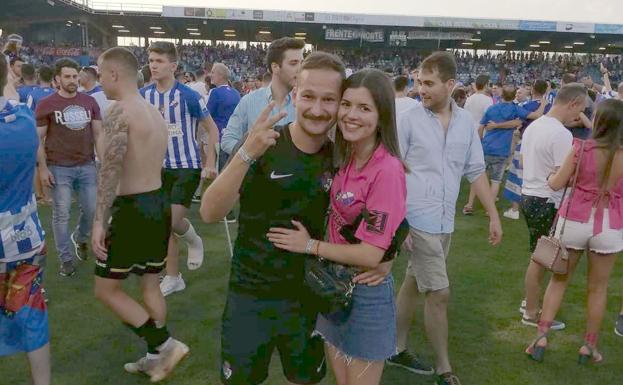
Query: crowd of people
357	162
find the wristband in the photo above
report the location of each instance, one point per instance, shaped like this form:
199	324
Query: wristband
244	155
310	246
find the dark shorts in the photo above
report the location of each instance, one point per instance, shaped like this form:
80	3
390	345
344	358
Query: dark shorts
496	165
539	214
254	327
180	184
137	237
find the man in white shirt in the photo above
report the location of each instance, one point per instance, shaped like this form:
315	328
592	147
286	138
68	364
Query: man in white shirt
403	102
478	103
544	146
199	84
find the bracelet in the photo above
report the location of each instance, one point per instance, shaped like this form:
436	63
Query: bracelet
244	155
317	249
310	246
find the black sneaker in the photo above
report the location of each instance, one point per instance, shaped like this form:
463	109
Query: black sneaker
67	269
448	378
410	362
81	249
618	329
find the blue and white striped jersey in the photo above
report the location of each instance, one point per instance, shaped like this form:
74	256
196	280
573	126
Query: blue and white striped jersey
182	108
21	234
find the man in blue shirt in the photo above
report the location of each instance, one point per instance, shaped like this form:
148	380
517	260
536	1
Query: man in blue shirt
222	102
23	324
185	112
440	146
45	88
88	81
30	83
283	59
496	143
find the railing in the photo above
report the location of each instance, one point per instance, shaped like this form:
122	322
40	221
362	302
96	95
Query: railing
105	7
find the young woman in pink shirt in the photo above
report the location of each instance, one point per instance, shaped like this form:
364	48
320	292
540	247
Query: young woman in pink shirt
594	215
371	176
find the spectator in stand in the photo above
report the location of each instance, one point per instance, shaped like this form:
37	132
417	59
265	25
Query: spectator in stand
88	81
283	59
45	89
29	82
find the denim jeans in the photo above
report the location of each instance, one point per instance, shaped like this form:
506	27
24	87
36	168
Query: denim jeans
83	180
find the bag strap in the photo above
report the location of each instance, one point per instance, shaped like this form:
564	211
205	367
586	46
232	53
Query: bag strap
573	186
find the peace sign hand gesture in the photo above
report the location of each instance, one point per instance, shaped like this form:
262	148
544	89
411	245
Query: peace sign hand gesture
262	136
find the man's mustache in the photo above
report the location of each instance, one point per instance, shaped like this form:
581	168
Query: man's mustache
318	118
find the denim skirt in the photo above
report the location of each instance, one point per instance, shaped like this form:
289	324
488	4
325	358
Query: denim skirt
368	331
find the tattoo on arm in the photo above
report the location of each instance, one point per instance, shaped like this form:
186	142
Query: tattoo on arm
116	138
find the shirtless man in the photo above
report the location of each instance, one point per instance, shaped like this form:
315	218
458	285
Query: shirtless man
133	220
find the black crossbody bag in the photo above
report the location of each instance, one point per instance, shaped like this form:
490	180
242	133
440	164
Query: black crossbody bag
331	282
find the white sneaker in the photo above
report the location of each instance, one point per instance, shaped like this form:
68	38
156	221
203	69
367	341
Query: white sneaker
511	214
170	284
522	307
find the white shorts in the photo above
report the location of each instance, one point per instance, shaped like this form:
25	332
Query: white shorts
579	236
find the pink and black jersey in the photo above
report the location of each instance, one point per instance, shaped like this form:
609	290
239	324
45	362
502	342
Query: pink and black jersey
380	187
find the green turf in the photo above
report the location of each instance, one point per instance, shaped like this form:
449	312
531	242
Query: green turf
89	345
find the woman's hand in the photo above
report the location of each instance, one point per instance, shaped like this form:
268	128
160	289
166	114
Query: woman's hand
288	239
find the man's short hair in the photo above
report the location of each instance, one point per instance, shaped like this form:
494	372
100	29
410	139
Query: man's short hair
509	92
539	87
324	61
400	83
442	62
164	48
140	80
65	63
146	73
15	59
46	73
123	57
200	73
481	81
90	71
277	49
222	68
569	93
568	78
267	78
28	71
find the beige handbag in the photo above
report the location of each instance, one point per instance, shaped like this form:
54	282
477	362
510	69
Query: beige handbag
550	252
